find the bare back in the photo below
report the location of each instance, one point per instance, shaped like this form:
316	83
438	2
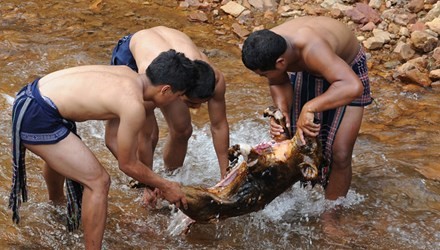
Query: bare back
145	45
336	34
93	92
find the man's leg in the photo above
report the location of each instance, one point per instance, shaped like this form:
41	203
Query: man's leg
71	158
55	184
340	175
180	129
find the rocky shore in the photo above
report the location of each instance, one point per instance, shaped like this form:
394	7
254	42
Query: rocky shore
400	36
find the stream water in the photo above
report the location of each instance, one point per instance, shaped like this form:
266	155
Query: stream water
393	203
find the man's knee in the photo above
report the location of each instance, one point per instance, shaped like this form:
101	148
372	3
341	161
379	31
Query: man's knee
154	137
341	159
101	183
182	133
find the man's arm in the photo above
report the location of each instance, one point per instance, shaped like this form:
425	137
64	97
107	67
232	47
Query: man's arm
131	122
219	124
281	91
345	85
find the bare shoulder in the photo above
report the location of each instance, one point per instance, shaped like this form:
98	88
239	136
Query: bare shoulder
220	83
149	43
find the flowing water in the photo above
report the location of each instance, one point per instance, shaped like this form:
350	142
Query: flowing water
393	203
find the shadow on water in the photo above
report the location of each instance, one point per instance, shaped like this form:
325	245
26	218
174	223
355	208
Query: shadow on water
393	203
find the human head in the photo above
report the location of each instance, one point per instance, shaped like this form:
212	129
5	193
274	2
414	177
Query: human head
205	84
262	49
174	69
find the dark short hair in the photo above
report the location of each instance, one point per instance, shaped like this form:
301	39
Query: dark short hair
172	68
205	84
262	49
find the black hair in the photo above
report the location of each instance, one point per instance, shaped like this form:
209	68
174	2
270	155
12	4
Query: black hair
172	68
262	49
205	84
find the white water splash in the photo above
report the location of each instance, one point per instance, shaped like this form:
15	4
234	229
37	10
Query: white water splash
179	224
9	99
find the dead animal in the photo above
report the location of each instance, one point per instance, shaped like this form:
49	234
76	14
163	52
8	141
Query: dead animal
266	171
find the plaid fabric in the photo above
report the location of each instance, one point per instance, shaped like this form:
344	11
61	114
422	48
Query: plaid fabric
359	66
30	102
18	157
74	192
307	86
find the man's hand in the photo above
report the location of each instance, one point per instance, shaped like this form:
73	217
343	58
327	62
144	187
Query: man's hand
276	129
150	197
174	194
306	126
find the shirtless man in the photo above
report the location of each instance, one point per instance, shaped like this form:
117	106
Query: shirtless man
44	116
137	51
316	69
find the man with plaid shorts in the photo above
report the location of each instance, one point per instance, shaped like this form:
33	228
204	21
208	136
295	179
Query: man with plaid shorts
318	77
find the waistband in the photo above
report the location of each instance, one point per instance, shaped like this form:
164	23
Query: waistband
32	91
359	56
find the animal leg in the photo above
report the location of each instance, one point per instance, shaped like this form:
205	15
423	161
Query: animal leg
308	171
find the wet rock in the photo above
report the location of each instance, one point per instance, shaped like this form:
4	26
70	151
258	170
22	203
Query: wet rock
368	27
436	85
189	3
245	16
373	43
404	50
415	75
363	13
415	5
328	4
257	4
269	4
233	8
389	14
381	34
404	31
405	18
96	6
375	3
292	13
260	27
434	25
434	74
423	41
417	26
336	13
197	16
391	64
413	71
239	30
433	13
436	55
393	28
414	88
269	15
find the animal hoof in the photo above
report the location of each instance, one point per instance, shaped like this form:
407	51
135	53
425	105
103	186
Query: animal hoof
309	172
